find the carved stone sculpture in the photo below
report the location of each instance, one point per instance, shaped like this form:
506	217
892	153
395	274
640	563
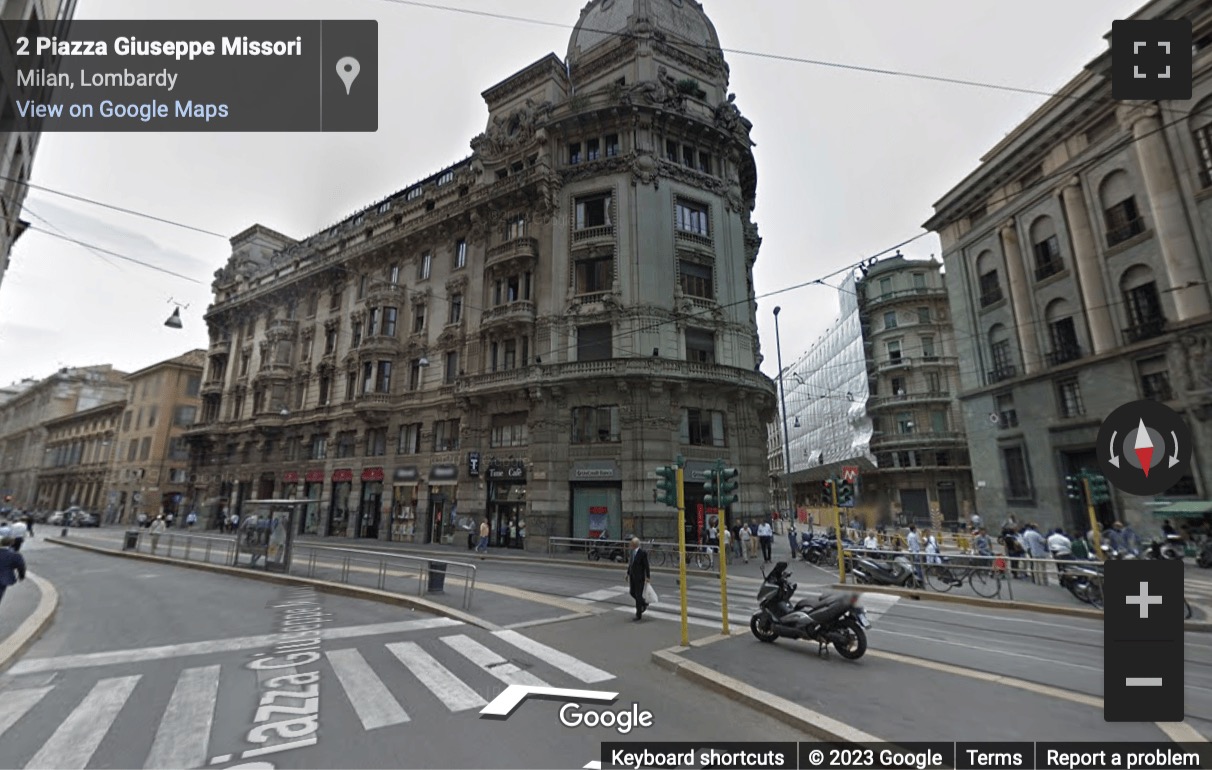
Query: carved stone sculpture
662	92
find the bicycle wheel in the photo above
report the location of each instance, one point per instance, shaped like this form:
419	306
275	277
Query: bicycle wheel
939	578
702	560
985	583
657	557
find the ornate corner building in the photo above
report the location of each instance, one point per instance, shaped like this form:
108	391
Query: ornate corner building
524	335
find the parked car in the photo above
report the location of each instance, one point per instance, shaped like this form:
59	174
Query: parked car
84	519
55	519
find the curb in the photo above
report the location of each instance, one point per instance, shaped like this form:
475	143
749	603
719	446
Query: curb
338	589
811	722
976	601
32	627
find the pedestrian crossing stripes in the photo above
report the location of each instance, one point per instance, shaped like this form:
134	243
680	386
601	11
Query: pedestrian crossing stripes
183	736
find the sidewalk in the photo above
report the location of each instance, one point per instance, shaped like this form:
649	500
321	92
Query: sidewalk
22	601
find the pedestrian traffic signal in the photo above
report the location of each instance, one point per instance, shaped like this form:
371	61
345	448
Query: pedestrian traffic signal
667	485
1099	491
1073	488
725	487
827	493
845	494
711	489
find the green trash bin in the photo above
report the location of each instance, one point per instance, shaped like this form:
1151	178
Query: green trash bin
131	541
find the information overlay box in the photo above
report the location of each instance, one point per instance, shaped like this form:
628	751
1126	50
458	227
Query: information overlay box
928	755
194	76
1143	676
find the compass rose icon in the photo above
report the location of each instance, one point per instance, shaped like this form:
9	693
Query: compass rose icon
1144	448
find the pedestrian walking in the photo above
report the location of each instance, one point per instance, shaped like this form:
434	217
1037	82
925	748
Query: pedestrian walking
191	520
766	538
157	528
18	533
746	543
751	546
29	523
482	548
12	566
639	575
791	537
1037	551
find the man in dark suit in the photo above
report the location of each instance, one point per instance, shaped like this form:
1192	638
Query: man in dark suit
638	576
12	566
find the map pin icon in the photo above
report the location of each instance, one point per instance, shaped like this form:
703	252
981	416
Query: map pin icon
348	69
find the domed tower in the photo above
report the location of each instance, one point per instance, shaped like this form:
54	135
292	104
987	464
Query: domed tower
631	239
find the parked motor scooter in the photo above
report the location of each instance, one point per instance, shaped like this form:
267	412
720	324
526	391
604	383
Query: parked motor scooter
835	618
1172	547
1204	559
898	572
1084	582
606	549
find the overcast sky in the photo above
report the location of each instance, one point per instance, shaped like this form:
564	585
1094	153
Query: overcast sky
849	163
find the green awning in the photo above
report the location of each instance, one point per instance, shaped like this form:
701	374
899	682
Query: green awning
1188	509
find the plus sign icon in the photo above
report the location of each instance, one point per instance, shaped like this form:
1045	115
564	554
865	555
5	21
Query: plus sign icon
1151	59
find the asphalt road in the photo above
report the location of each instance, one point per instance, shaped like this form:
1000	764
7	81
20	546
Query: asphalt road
151	665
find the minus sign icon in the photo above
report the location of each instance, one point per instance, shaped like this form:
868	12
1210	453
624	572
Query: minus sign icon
1143	681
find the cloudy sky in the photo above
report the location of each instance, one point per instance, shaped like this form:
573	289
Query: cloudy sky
849	162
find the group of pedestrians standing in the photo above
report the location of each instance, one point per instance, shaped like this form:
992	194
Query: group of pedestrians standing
745	539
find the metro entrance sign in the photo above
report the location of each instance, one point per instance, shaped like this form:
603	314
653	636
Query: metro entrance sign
850	474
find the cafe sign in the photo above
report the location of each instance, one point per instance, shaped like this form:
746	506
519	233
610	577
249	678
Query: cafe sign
507	471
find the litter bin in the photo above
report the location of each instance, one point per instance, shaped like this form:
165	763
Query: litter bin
437	577
131	541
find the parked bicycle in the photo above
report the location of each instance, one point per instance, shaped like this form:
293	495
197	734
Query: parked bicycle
984	578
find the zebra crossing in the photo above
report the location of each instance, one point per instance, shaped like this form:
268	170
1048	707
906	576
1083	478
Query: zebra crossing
79	718
705	608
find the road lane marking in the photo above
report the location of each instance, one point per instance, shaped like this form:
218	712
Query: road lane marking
184	731
17	702
446	687
602	595
574	667
690	619
236	644
985	649
78	736
490	662
371	699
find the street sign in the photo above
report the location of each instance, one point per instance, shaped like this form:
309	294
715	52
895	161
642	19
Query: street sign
850	474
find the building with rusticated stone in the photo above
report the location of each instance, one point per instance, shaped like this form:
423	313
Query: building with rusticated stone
524	335
1078	257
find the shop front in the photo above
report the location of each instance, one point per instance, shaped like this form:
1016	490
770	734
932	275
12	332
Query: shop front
597	501
265	487
290	486
405	493
506	502
370	512
313	489
338	510
443	504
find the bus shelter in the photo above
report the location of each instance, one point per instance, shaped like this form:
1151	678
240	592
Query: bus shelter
265	539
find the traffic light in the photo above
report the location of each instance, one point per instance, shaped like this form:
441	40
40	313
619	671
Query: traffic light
725	486
827	493
711	489
1099	491
667	485
845	494
1073	488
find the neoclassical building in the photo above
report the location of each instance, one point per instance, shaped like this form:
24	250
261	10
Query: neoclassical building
526	334
1078	257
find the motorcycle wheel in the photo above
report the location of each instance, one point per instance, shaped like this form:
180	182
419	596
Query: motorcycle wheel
1094	595
762	628
1171	553
1204	560
813	556
594	555
857	645
862	580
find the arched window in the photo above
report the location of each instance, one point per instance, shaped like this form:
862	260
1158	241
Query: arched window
1062	332
1120	213
1000	354
1201	134
990	283
1142	304
1046	247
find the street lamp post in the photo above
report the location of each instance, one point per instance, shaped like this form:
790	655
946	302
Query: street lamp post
778	346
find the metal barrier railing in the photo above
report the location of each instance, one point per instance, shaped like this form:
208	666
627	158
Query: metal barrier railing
312	560
659	553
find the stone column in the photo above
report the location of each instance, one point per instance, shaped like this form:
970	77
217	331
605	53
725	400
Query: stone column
1170	223
1020	299
1088	268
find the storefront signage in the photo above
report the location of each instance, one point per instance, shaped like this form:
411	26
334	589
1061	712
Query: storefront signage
313	476
444	473
696	470
342	474
407	473
597	470
372	474
515	471
473	463
292	477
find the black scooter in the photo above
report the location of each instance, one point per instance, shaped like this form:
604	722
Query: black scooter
898	572
1084	581
608	550
835	619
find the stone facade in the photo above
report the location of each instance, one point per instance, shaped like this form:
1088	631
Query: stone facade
150	472
19	141
22	424
1077	261
79	458
523	336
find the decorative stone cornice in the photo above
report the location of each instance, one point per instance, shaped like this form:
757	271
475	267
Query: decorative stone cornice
617	56
1130	113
